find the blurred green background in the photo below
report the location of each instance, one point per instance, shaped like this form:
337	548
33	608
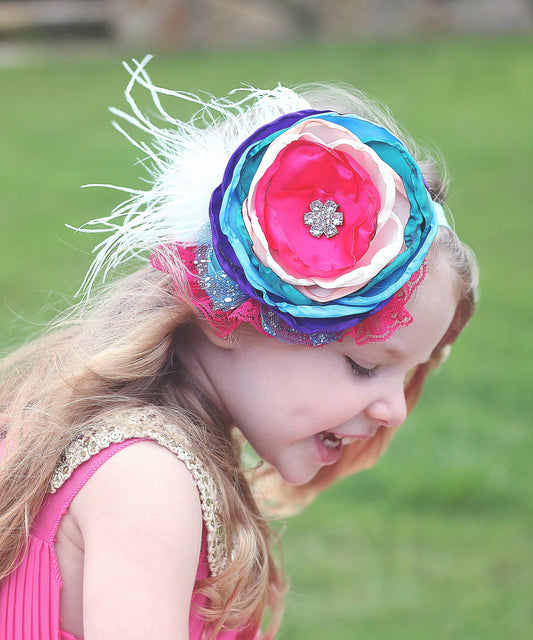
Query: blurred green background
435	542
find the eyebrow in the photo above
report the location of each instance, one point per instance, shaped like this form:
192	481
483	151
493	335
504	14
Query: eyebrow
395	352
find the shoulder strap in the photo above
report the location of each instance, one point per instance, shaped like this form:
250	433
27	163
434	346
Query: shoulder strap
114	431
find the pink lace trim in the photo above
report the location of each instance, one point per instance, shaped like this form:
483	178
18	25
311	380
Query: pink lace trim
394	315
178	261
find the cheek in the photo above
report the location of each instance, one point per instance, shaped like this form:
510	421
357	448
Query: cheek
293	393
327	407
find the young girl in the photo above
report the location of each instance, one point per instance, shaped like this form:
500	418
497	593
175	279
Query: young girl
303	280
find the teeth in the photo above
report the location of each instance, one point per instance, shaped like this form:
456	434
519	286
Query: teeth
330	440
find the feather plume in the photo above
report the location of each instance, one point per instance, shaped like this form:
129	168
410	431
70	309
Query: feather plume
185	162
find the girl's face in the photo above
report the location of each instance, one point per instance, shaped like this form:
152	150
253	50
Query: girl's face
298	406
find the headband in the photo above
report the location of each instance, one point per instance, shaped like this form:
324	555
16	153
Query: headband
306	224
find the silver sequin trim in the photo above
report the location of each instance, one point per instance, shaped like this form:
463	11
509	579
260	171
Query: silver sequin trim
148	423
225	295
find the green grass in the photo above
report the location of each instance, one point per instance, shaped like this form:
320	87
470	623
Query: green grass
435	542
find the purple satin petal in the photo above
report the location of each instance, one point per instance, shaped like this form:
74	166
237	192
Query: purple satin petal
326	325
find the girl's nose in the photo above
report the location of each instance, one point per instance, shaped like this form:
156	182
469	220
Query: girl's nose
390	408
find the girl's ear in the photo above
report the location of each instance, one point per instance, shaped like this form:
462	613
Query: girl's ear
225	342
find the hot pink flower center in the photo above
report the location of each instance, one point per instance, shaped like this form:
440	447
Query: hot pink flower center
301	173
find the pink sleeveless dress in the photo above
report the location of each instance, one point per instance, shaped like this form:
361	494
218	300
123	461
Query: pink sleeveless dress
30	596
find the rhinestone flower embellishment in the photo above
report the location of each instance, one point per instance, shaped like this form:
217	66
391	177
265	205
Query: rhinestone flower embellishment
323	219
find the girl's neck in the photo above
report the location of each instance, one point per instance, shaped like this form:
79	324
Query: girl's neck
199	356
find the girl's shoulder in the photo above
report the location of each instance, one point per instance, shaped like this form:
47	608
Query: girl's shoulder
150	462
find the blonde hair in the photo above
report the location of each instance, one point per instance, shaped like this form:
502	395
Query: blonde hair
124	349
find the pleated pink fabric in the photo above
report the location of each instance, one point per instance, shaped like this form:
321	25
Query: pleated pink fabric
30	596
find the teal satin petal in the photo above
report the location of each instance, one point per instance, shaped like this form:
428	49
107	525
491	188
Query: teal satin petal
337	309
440	215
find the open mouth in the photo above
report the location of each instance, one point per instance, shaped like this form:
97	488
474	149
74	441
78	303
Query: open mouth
330	440
333	441
330	445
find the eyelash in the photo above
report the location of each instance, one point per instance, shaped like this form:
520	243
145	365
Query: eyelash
359	370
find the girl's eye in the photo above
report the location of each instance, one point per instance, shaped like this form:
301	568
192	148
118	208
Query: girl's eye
359	369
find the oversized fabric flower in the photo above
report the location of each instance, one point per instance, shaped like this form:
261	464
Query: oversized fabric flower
297	171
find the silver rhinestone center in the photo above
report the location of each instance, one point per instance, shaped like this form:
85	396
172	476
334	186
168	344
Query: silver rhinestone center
323	219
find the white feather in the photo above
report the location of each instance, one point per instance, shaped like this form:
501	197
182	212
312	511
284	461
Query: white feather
185	163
